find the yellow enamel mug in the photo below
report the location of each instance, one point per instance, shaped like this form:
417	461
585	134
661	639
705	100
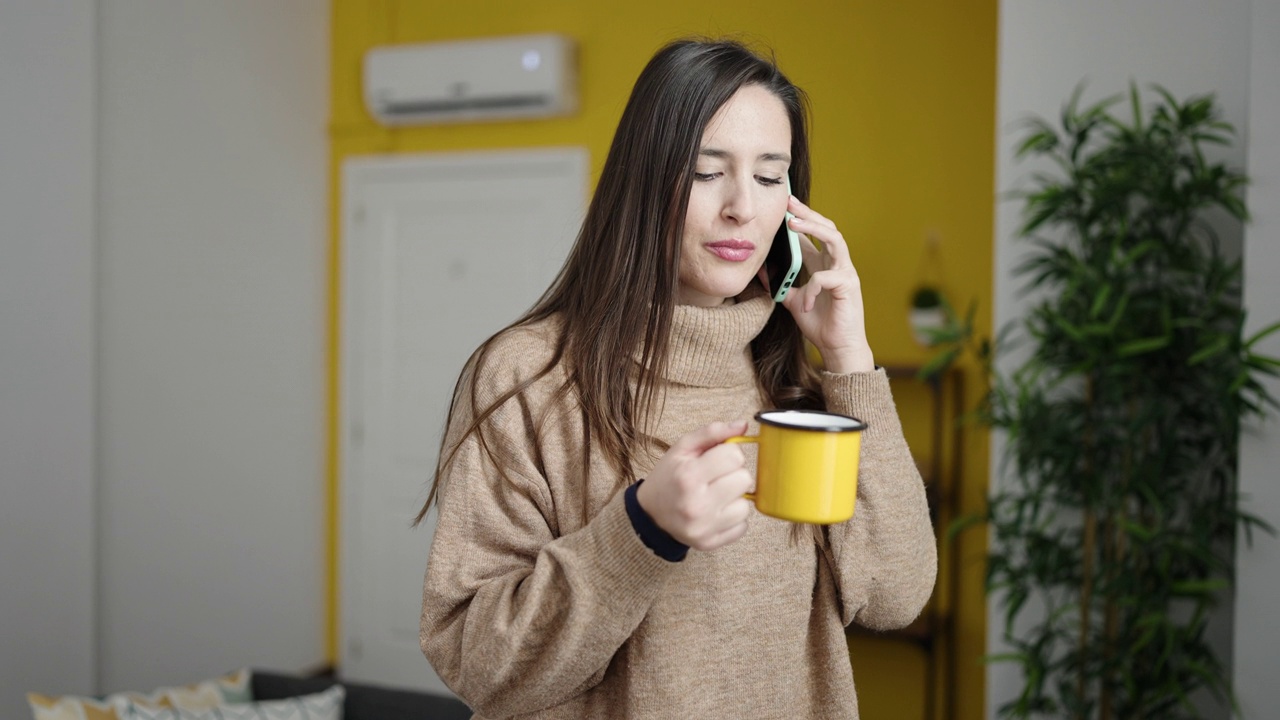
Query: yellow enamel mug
808	465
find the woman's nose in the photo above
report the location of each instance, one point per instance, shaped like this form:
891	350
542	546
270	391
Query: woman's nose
740	205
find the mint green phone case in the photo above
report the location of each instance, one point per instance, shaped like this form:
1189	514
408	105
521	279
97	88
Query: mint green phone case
780	293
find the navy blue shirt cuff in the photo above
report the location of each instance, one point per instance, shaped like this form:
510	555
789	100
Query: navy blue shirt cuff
654	537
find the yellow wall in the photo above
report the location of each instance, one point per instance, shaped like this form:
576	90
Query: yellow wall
903	145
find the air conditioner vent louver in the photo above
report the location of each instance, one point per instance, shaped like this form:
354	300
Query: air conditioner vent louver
517	77
463	105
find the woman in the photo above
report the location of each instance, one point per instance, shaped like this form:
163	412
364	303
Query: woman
594	555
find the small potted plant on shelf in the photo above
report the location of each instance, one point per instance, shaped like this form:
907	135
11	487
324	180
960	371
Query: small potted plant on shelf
928	314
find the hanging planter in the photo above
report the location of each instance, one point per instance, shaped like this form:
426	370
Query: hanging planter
927	315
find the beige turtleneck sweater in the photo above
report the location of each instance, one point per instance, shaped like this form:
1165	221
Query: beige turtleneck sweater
541	601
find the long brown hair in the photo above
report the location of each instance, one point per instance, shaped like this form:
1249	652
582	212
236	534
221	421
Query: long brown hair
616	293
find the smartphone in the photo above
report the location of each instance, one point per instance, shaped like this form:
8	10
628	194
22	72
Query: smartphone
783	262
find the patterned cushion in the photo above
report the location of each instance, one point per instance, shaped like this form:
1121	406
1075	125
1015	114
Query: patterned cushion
231	688
325	705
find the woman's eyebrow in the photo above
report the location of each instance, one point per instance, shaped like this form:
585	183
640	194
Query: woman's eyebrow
723	154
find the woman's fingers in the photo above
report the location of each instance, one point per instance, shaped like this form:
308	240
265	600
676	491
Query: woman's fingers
810	254
822	229
805	297
720	461
731	486
832	241
797	208
825	280
708	436
724	511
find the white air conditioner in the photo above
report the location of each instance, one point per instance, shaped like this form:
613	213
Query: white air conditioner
510	77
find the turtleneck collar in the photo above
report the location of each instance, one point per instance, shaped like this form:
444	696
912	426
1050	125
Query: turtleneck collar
711	346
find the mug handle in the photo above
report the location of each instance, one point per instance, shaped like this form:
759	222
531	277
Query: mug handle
739	440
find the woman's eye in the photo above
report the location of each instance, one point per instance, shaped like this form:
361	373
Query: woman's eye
703	177
769	180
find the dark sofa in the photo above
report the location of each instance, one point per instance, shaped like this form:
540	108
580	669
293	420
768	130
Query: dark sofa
363	702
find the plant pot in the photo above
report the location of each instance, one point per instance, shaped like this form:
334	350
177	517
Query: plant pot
924	319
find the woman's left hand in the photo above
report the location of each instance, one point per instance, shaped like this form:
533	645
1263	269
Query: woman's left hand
829	307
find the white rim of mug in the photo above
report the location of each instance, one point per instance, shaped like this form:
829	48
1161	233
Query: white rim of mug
840	424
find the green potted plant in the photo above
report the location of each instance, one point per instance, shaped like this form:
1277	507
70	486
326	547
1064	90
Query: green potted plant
1117	511
927	314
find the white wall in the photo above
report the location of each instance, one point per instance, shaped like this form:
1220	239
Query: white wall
1257	635
213	265
46	349
162	308
1046	48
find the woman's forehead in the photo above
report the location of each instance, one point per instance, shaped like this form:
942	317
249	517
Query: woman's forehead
752	125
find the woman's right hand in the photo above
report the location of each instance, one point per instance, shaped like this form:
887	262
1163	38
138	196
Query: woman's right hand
695	492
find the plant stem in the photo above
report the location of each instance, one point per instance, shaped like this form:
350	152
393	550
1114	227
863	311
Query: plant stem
1090	541
1112	552
1086	600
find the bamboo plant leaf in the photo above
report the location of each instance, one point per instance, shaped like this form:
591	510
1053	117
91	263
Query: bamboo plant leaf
1197	588
1261	335
1212	349
1143	345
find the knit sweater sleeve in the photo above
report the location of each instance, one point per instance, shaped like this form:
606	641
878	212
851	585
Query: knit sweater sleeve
885	558
516	617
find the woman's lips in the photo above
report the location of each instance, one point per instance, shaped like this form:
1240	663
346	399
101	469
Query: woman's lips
732	250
